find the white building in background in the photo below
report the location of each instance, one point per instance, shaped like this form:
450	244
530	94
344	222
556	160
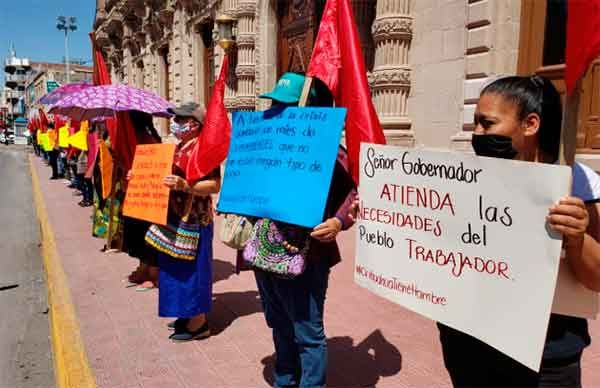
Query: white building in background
16	71
426	59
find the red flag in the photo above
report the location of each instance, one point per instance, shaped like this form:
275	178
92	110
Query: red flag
583	38
213	142
43	120
337	60
100	75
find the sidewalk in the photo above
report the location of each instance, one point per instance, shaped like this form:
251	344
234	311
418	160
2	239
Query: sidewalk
371	341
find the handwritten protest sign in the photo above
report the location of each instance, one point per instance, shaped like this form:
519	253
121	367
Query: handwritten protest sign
147	198
106	169
280	163
63	136
462	240
79	140
44	141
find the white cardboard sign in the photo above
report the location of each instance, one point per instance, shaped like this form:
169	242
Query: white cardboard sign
462	240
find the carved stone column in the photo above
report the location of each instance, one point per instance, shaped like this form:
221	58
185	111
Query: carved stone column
391	76
228	7
246	64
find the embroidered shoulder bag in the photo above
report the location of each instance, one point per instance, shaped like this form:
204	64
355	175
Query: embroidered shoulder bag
180	240
278	248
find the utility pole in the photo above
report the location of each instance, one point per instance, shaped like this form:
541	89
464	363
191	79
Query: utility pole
67	24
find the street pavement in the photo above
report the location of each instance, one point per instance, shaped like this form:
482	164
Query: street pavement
372	342
25	352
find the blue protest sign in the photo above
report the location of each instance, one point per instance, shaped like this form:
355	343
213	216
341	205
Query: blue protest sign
280	163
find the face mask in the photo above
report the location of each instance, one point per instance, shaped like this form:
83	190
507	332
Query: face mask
493	146
179	130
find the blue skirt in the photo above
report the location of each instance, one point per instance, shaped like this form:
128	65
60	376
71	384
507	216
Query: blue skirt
185	287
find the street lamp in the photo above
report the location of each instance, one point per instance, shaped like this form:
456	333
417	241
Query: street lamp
66	24
225	26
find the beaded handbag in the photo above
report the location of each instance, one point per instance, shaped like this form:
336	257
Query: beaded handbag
178	241
277	248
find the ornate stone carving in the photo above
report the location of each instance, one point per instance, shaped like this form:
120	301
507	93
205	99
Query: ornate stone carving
392	28
245	70
115	22
390	78
102	39
245	40
245	102
109	5
100	17
245	8
230	103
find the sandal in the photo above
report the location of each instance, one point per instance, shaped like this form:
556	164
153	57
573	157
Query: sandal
146	286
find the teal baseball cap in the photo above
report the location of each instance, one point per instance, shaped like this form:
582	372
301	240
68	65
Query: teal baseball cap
288	89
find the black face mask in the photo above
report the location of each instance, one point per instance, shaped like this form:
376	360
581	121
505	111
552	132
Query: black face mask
493	146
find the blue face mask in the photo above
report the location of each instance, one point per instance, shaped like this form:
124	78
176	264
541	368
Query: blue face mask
179	130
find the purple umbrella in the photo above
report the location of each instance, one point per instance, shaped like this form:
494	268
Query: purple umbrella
105	100
59	93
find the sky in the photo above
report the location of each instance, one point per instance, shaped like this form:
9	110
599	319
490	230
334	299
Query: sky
31	26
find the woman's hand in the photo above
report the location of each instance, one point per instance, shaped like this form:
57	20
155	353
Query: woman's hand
570	217
354	209
175	182
129	175
328	230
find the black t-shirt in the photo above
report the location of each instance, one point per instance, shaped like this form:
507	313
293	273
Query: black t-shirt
567	337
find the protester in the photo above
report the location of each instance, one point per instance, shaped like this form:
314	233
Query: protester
134	230
520	118
85	189
294	307
185	289
53	154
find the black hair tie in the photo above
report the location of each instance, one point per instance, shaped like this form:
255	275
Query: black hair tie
537	81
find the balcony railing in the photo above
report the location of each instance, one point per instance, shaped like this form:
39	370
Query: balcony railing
15	78
16	63
13	94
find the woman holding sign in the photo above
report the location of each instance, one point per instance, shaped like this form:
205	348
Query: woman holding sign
185	289
520	118
294	306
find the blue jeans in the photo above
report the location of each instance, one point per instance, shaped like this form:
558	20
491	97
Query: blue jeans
294	310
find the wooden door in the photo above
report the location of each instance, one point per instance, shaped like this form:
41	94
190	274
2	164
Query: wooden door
542	52
298	27
209	59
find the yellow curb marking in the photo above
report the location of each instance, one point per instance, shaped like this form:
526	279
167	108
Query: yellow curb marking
71	365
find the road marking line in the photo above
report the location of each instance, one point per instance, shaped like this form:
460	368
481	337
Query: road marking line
71	365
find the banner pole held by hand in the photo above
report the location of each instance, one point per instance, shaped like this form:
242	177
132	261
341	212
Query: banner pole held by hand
568	142
305	91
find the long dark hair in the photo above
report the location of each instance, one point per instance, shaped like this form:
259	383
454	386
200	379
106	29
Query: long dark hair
534	95
143	122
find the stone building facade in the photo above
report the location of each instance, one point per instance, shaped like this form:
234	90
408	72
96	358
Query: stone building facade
426	59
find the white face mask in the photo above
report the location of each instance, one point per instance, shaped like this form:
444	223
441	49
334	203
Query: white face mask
179	130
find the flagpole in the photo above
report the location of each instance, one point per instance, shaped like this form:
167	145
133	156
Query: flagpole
305	91
568	142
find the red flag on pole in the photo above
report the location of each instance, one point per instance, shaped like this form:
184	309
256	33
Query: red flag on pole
213	142
43	120
100	75
337	60
583	38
